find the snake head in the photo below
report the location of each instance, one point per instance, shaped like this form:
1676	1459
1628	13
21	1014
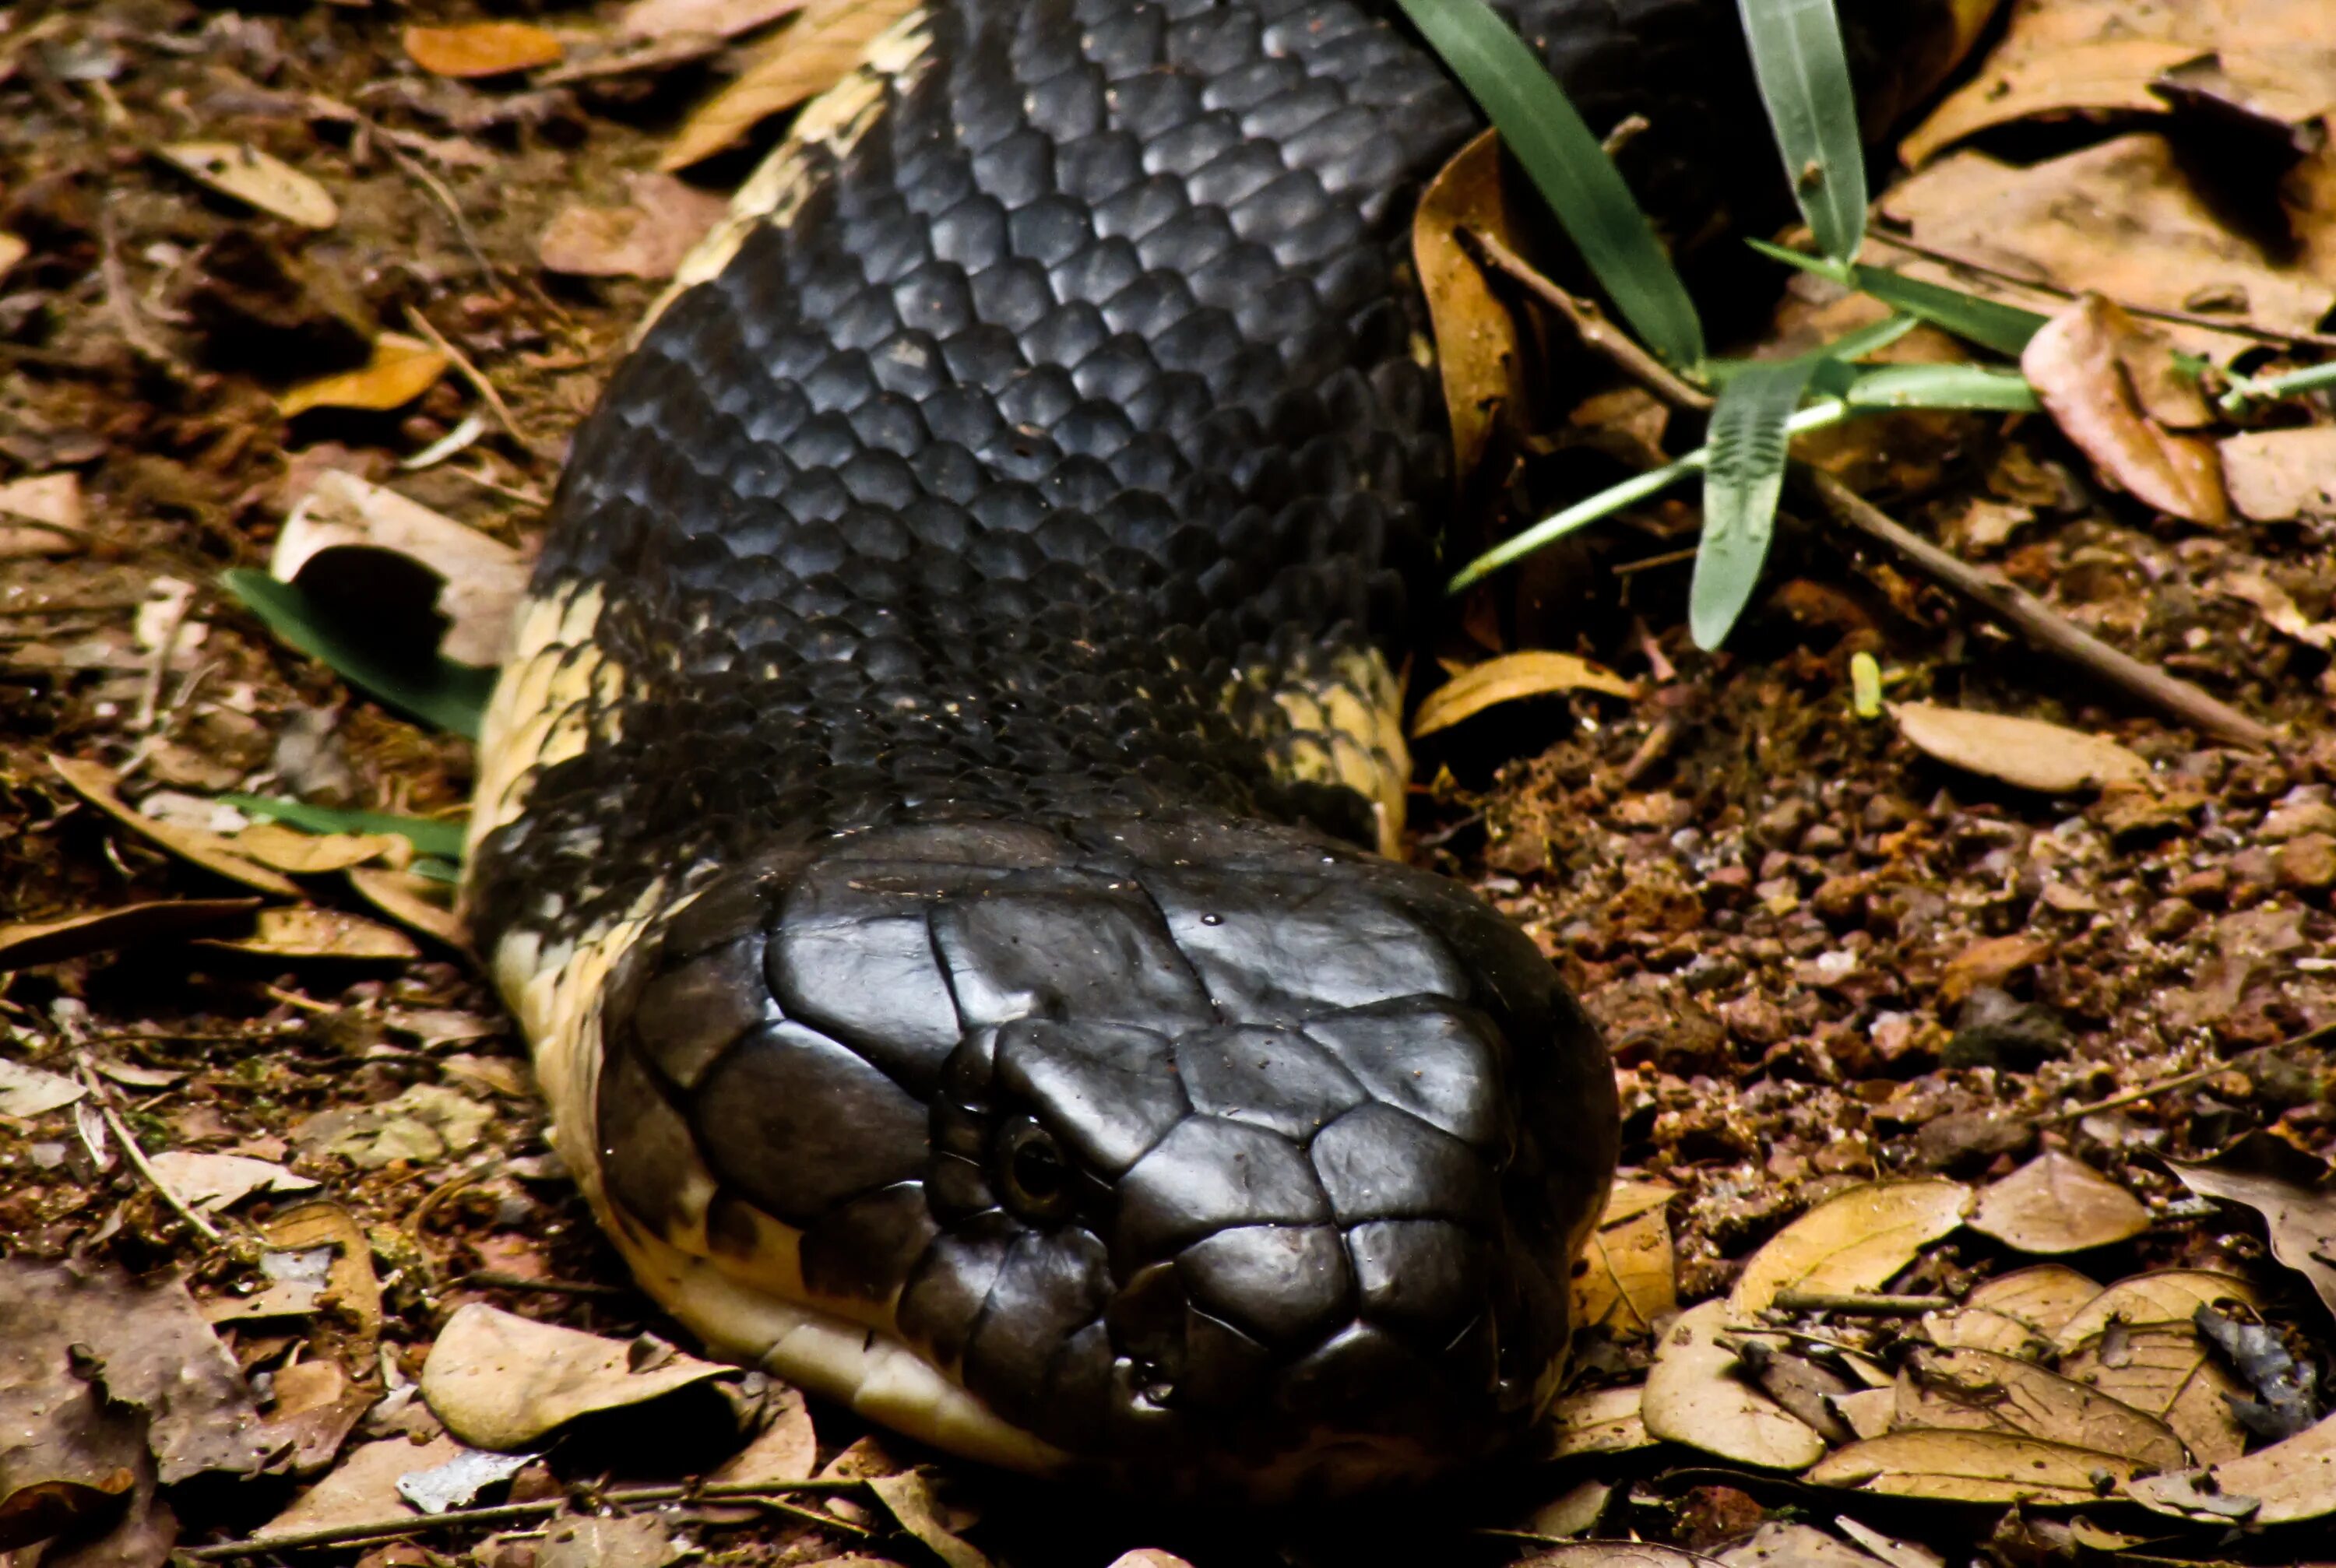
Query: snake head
1208	1155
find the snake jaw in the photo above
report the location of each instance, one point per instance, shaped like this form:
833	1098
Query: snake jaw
1195	1149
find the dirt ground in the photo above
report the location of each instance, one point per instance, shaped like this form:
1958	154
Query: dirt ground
1821	957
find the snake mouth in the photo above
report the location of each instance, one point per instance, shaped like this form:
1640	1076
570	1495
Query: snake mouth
1211	1156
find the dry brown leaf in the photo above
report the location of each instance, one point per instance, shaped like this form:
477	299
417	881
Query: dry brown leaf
722	18
2291	1480
353	1291
24	947
816	51
483	577
2027	751
785	1449
13	249
213	1182
1867	1412
2122	220
646	238
95	783
1628	1199
361	1487
1510	676
1974	1467
257	180
1597	1421
305	854
2279	609
2276	475
2091	366
2289	1190
1779	1545
2058	1204
317	1405
48	512
2165	1370
1616	1555
481	48
399	370
1694	1397
1853	1240
1990	962
28	1092
1149	1557
2015	1312
2106	74
1980	1390
307	932
74	1458
413	901
908	1498
2160	1296
624	1541
1626	1282
1477	349
500	1381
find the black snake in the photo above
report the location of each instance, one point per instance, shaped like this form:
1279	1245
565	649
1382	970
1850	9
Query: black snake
925	824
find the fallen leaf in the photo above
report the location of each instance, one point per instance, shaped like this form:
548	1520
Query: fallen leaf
399	370
2160	1296
352	1290
2165	1370
481	48
2109	75
317	1407
1508	677
1779	1545
95	783
48	516
1974	1467
1896	1553
1477	350
2014	1312
1615	1554
42	942
1626	1281
2279	611
214	1181
425	1122
1853	1240
413	901
2288	1481
1693	1397
361	1487
1981	1390
75	1458
2278	475
815	52
1597	1421
257	180
908	1498
2089	366
626	1541
646	238
2283	1396
785	1449
305	931
28	1092
1868	1411
2027	751
2293	1193
1990	962
2057	1203
722	18
456	1482
271	844
500	1381
13	249
1573	1512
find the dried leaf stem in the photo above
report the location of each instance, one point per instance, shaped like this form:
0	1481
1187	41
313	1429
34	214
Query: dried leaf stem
137	1156
1872	1306
2032	618
1589	323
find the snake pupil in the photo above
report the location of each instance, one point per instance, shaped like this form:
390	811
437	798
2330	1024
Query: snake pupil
1037	1179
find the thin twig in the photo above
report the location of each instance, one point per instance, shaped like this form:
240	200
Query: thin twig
413	169
1649	563
403	1525
1660	735
2180	318
137	1156
1590	324
493	1279
475	375
2150	1091
1870	1306
2033	618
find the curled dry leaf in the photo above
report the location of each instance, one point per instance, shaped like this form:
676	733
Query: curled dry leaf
483	577
413	901
811	55
1951	1466
2026	752
785	1449
2092	77
95	783
500	1381
257	180
481	48
41	515
2291	1191
307	932
1695	1397
25	947
2014	1312
1980	1390
1510	676
1477	347
2288	1481
1597	1421
646	238
2058	1204
2160	1296
2104	381
908	1498
1853	1240
398	370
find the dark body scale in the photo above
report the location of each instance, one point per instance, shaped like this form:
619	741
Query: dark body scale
955	517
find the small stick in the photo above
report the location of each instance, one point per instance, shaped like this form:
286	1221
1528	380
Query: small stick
2241	328
1660	735
2033	618
494	1279
137	1156
2184	1080
475	375
1853	1301
369	1530
1588	323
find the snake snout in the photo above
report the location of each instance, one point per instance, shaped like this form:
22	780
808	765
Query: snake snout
1197	1150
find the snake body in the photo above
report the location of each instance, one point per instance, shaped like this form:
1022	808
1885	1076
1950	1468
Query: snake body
924	825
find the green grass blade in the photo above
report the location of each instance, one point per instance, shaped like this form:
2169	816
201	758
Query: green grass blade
1541	127
429	835
1803	76
438	691
1742	479
1982	386
2005	328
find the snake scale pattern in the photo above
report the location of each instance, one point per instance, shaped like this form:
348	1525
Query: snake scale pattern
927	824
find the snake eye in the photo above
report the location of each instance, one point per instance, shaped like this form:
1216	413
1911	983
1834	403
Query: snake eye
1031	1170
